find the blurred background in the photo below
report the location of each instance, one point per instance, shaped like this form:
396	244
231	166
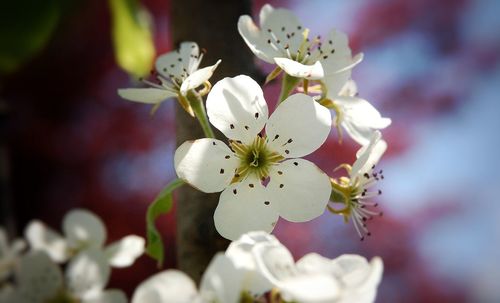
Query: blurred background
68	140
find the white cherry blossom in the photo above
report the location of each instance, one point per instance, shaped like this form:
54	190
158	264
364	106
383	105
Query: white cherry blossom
357	116
297	190
355	190
221	283
176	73
82	230
357	279
39	279
313	279
282	40
9	254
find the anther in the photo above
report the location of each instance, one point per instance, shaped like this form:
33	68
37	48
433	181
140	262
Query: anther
267	202
246	127
296	163
250	185
287	151
227	157
256	115
221	171
231	126
235	191
280	172
281	185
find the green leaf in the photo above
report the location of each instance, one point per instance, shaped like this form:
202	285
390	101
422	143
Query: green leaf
132	38
26	26
160	206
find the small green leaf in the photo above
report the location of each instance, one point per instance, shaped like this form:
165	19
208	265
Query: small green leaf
132	38
160	206
26	27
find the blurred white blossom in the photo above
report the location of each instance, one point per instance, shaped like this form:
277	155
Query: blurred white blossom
38	280
83	230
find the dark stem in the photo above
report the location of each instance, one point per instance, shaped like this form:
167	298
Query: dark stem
213	25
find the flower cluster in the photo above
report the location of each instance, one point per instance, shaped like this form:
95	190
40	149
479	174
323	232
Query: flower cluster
35	276
260	171
258	268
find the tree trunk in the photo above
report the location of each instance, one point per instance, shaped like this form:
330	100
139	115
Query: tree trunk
213	25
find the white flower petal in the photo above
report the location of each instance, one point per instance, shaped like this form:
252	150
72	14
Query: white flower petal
124	252
265	11
255	40
40	237
299	70
285	27
360	134
222	281
171	286
146	95
274	261
301	189
314	263
310	289
336	83
336	54
84	229
206	164
197	78
176	63
107	296
38	278
245	207
236	106
369	155
87	273
360	118
241	252
359	278
362	112
298	126
350	89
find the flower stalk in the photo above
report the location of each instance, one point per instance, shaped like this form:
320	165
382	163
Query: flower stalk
287	85
196	103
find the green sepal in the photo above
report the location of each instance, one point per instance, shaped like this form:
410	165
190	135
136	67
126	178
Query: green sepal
160	206
275	73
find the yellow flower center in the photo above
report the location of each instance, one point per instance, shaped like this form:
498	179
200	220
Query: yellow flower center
255	159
